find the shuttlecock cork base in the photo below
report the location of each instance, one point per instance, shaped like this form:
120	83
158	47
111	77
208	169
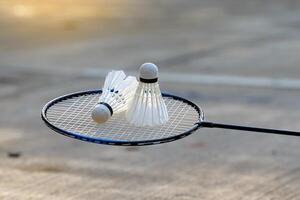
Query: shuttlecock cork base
147	107
148	73
102	112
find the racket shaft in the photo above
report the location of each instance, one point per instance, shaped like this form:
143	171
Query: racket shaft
247	128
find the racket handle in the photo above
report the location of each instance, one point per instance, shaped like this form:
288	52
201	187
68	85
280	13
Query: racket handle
247	128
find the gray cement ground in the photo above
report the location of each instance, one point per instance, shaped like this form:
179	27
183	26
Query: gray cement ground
42	57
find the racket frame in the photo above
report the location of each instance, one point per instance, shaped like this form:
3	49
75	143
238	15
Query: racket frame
118	142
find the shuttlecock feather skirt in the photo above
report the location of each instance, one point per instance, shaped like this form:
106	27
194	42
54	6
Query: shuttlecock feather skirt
118	90
147	107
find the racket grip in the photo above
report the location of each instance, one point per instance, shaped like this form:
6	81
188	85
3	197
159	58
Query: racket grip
247	128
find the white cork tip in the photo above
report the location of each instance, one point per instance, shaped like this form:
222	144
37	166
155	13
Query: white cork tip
101	114
148	71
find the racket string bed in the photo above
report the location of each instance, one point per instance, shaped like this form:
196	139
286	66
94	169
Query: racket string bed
85	118
76	120
61	109
77	105
163	131
73	115
175	121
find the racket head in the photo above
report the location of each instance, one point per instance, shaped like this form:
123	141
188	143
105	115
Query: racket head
70	115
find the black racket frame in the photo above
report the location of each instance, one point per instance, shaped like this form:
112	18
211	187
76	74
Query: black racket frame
200	124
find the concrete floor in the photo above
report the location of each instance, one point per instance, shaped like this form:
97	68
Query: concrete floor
42	57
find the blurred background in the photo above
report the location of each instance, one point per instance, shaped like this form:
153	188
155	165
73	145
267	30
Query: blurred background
239	60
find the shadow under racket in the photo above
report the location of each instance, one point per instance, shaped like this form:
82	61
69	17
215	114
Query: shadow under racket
70	115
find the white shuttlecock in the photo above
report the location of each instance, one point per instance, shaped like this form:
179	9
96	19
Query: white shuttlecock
117	92
147	107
